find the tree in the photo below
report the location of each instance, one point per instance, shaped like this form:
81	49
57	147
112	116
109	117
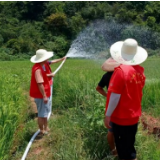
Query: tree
57	23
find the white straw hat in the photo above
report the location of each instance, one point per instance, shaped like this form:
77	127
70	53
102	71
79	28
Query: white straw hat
128	52
41	55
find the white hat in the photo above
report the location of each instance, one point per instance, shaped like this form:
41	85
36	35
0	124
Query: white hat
109	65
128	52
41	55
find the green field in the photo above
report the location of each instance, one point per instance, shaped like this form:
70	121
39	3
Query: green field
77	126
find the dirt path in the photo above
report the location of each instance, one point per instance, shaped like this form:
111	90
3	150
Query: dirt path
40	148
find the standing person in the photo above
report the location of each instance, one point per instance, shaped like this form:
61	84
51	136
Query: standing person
123	106
50	76
40	88
108	66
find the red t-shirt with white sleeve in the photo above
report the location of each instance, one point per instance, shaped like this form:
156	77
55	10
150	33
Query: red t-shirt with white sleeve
129	82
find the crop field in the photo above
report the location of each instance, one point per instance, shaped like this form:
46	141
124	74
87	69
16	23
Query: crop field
78	132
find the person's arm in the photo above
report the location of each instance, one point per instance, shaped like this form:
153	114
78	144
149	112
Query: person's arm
116	87
57	60
101	91
50	75
41	88
39	80
114	99
102	83
113	102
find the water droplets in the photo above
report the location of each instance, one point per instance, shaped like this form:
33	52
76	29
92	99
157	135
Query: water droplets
95	40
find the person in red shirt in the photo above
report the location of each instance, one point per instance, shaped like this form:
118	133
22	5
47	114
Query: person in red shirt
40	88
123	106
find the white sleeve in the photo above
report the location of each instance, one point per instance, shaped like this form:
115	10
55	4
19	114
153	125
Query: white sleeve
113	102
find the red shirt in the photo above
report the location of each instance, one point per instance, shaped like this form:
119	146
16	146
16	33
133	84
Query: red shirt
34	90
48	71
129	82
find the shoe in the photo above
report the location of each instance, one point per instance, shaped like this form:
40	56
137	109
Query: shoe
45	133
40	135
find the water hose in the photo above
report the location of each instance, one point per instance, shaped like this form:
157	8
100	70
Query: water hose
59	66
36	133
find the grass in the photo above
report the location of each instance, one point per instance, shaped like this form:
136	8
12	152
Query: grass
77	130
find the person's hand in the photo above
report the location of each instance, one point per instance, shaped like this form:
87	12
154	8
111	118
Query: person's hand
50	75
64	58
107	121
45	99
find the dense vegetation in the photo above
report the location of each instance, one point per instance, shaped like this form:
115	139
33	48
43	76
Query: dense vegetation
29	25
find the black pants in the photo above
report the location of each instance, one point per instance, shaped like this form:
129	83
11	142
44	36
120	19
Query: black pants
125	139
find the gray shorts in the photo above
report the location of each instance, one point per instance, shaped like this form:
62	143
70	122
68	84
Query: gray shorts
43	108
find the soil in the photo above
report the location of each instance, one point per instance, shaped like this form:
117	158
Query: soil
151	124
33	105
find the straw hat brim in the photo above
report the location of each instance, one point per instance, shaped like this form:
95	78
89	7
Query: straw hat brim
122	58
109	65
35	59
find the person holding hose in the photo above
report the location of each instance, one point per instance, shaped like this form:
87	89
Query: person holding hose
40	88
